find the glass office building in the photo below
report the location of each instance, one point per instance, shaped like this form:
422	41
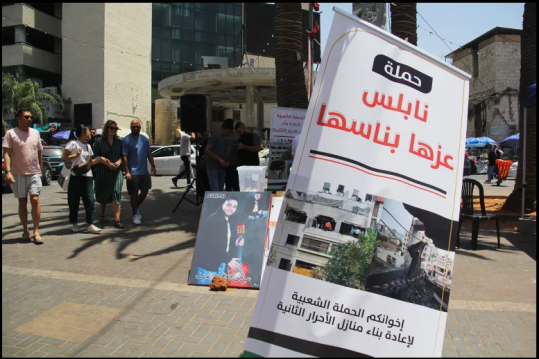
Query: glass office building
184	32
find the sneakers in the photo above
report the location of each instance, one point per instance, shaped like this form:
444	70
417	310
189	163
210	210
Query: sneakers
487	181
93	229
136	219
76	228
175	182
138	214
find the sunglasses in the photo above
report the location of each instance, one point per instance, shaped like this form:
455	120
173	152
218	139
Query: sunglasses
114	128
29	117
135	127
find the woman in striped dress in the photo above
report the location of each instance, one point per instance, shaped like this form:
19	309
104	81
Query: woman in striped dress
109	176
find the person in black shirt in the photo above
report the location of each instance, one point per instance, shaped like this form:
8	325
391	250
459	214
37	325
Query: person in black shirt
248	146
491	163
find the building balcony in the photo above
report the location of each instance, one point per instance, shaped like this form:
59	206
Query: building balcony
331	236
21	14
22	54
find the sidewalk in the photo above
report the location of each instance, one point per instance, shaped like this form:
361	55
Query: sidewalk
123	293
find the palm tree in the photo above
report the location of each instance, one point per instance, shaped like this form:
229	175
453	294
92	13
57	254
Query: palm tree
17	95
528	77
404	21
290	78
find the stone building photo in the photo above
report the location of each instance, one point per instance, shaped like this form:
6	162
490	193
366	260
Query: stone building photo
407	265
317	224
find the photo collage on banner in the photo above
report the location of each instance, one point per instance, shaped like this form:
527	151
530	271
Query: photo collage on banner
231	238
362	256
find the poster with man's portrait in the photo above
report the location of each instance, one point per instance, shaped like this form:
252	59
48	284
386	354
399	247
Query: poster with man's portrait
231	238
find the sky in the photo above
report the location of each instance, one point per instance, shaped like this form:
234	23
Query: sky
457	23
400	213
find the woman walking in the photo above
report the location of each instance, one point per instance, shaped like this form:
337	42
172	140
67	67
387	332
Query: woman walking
109	176
81	181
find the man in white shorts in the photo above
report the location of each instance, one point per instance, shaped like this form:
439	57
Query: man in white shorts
24	165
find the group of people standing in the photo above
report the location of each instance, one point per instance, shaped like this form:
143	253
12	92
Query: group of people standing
233	146
113	157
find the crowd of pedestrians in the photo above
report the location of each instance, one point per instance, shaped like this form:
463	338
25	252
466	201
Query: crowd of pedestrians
96	167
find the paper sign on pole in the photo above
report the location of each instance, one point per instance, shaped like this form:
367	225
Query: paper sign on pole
371	210
286	123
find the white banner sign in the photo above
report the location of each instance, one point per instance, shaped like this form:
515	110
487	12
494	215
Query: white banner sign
286	123
371	210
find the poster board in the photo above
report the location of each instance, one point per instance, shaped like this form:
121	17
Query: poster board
372	205
225	220
276	204
286	123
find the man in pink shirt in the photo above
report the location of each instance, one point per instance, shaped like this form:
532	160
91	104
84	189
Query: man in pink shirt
24	166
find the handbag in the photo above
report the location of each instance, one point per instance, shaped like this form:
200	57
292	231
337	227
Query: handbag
81	170
63	178
85	168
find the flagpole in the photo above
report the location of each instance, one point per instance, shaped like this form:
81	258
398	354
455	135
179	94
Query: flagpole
310	44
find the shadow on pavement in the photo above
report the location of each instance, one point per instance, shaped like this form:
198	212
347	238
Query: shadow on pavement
157	218
527	243
485	244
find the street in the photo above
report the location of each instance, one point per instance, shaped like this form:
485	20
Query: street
123	293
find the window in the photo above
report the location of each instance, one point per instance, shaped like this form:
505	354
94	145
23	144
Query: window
294	215
293	240
305	265
285	264
315	245
177	15
175	151
166	14
200	20
82	114
165	50
218	115
236	116
163	152
376	209
368	197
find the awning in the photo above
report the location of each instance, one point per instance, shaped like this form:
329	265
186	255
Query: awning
511	141
479	141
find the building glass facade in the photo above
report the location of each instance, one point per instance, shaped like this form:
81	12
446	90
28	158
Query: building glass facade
184	32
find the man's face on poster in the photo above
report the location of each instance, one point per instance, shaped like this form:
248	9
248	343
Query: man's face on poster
230	206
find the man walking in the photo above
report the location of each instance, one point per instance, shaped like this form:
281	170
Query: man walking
135	153
216	151
491	163
185	155
24	167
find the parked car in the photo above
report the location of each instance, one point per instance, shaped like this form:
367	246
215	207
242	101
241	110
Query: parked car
46	176
168	161
153	148
53	154
513	170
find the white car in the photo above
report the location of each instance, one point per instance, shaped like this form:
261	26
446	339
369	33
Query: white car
513	170
168	161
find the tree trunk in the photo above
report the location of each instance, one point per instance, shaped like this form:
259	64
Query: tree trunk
404	21
527	78
290	78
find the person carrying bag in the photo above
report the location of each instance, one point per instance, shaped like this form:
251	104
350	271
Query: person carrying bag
80	179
